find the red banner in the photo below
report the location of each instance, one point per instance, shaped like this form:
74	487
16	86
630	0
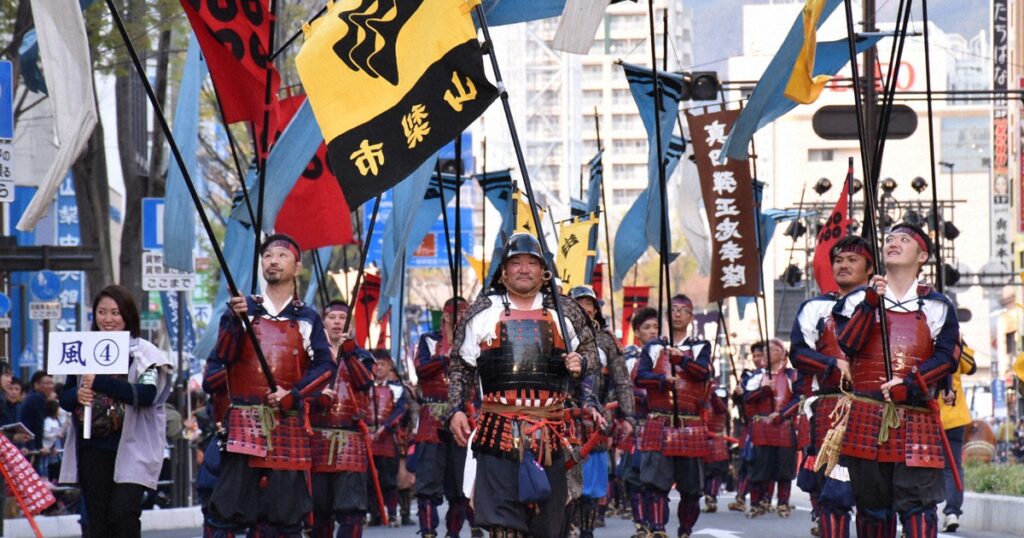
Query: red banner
633	299
32	493
234	37
729	201
836	227
596	279
366	305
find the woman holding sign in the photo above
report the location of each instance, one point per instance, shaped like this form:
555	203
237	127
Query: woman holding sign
121	459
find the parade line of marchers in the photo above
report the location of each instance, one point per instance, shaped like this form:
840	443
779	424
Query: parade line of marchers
565	427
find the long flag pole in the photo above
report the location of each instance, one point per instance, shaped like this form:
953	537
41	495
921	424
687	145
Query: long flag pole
521	159
664	286
159	113
940	277
607	232
262	149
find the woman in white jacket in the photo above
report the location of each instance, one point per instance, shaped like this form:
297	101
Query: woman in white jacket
122	458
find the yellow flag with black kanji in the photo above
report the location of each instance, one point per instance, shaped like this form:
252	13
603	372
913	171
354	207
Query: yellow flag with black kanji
577	239
391	82
524	217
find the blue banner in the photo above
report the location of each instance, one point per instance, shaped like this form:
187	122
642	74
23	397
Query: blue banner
180	212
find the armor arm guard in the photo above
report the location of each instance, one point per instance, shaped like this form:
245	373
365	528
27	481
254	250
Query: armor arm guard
426	364
229	339
944	359
621	383
215	377
646	377
718	405
460	382
362	379
853	334
757	395
586	346
800	387
700	366
805	358
401	406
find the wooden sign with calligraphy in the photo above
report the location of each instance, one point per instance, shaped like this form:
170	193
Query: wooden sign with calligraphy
729	202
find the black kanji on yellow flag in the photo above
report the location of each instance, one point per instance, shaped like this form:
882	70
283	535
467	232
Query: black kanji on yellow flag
390	82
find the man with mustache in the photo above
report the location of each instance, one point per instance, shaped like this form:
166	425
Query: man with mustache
815	353
262	485
892	445
511	338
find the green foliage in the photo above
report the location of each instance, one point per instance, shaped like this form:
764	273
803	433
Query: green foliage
999	479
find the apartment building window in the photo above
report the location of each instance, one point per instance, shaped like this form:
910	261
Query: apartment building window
593	71
591	98
820	155
625	121
625	196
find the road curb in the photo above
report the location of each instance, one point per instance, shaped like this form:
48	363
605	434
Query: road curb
994	513
67	526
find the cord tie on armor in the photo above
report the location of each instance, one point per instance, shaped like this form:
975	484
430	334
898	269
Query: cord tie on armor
890	420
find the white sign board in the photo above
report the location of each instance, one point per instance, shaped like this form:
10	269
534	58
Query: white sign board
156	277
40	310
88	352
5	323
6	172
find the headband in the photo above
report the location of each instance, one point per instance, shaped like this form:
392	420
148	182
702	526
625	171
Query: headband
921	242
854	248
285	244
335	308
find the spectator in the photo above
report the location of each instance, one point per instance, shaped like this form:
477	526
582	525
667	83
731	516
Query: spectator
52	442
955	418
121	461
12	399
33	407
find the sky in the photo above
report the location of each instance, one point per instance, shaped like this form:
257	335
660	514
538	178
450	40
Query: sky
717	23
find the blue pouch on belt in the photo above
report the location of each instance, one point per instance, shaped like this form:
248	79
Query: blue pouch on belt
533	481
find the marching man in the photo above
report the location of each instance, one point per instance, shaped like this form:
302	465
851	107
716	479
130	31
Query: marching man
512	341
893	442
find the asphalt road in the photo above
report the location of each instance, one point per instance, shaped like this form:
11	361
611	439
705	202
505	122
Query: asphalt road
722	524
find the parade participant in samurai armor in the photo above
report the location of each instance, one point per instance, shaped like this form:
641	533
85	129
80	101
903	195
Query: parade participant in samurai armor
816	354
439	461
525	357
263	480
893	444
389	401
673	442
614	384
746	452
716	461
771	402
645	329
340	470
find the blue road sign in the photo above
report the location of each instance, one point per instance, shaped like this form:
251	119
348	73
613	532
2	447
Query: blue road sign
5	305
6	101
152	223
45	285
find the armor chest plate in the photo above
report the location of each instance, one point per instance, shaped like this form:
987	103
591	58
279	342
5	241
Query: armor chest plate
910	343
282	345
525	355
